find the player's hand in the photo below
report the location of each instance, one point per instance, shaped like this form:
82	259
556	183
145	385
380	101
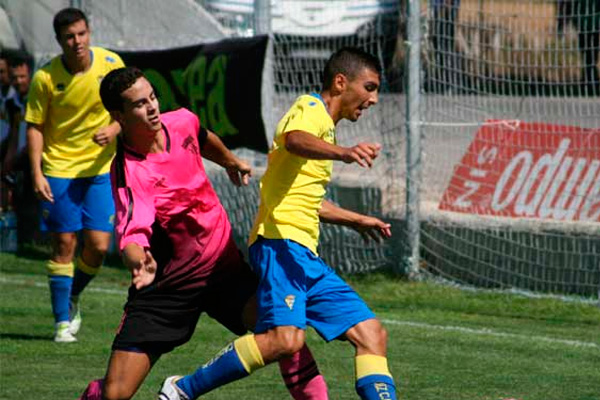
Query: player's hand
145	272
41	188
239	172
363	154
104	136
374	228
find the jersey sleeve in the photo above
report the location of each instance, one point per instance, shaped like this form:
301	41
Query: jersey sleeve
134	212
304	118
38	99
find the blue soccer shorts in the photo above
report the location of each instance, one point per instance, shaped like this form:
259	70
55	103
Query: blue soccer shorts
79	203
297	288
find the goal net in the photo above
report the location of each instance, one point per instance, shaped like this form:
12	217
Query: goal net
509	164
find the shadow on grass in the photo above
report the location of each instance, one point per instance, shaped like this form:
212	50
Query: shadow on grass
23	336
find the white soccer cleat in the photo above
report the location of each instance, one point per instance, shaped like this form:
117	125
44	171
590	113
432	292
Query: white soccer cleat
170	391
74	315
63	333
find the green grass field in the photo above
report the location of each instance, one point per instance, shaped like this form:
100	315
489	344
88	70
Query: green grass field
444	343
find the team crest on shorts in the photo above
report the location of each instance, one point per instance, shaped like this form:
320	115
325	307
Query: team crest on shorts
289	300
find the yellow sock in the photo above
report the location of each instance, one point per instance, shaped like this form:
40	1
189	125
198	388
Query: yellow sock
248	353
58	269
88	269
370	364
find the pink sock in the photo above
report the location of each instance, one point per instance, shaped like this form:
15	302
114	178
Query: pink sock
302	377
93	391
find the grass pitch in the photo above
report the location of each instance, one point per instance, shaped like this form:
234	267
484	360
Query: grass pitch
444	343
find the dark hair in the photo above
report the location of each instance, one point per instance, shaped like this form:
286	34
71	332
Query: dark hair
20	58
116	82
349	61
66	17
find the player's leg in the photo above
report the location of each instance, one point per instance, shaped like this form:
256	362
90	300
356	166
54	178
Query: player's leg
373	378
302	377
126	372
335	310
281	331
155	321
97	220
300	372
62	218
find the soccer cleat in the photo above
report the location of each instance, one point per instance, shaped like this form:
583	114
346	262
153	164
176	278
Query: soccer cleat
63	333
74	315
170	391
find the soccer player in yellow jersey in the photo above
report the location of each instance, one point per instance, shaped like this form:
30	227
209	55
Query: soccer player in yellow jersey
70	144
296	288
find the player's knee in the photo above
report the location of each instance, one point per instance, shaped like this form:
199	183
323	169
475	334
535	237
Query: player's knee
63	247
369	336
289	341
99	248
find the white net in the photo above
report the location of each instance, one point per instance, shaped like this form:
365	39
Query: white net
512	87
509	166
305	34
516	76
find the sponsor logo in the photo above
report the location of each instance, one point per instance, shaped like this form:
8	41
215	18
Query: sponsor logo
189	143
160	182
531	170
289	300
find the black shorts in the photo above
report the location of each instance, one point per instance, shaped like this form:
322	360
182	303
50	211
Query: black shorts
156	320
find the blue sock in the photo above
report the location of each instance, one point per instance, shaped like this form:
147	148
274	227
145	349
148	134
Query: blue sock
60	290
238	360
376	387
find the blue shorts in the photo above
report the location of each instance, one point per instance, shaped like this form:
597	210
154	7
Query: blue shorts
79	203
297	288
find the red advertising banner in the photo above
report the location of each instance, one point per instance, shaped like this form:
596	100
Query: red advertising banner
532	170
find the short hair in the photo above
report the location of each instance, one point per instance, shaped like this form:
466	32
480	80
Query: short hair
19	59
116	82
349	61
66	17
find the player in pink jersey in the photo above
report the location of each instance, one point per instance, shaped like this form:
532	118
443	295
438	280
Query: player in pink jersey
175	238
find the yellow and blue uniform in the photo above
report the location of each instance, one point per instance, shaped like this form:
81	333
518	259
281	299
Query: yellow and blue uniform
296	287
69	111
293	187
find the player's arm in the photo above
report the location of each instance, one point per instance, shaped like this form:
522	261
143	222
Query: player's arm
141	264
35	146
107	134
366	225
214	150
309	146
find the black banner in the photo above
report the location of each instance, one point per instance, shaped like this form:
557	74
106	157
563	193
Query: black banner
220	82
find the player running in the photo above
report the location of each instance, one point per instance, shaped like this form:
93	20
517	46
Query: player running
296	288
175	238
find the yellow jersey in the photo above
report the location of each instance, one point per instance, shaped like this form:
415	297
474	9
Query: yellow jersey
70	112
292	188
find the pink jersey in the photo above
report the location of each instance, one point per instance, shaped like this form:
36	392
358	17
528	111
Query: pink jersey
165	202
